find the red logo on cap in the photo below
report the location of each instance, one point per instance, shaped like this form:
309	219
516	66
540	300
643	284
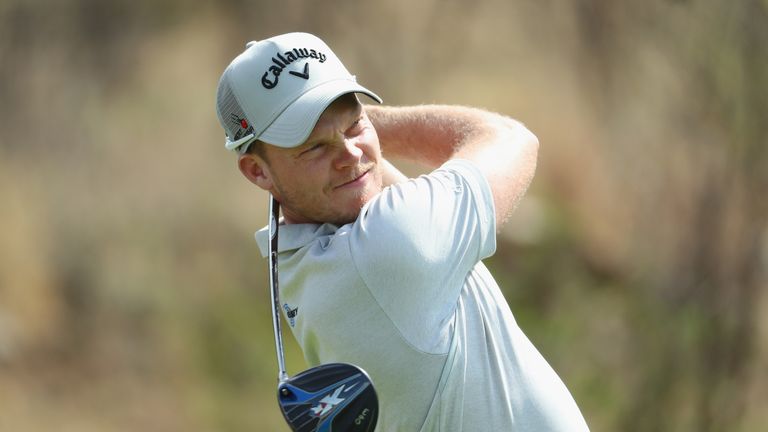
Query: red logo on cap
240	121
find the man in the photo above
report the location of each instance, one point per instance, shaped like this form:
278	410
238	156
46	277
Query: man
383	271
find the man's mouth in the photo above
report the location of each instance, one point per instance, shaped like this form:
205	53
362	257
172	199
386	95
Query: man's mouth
355	181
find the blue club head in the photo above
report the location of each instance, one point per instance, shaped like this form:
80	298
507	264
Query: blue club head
334	397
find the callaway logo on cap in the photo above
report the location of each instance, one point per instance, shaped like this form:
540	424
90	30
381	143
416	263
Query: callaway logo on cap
277	89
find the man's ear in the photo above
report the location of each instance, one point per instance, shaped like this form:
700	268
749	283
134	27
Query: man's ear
256	170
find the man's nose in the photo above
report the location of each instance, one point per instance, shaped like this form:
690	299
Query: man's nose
349	154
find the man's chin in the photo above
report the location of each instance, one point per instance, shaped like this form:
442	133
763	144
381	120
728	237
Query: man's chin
352	212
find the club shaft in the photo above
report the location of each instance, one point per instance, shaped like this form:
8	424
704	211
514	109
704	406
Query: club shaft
274	214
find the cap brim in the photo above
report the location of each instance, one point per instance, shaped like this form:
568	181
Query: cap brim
294	125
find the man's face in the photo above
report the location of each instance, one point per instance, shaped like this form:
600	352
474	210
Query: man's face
331	175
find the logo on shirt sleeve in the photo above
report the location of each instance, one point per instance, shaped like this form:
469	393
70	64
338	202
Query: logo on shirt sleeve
291	313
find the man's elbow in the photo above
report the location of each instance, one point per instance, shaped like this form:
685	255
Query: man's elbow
515	170
528	145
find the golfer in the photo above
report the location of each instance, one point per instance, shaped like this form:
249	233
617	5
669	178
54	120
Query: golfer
384	271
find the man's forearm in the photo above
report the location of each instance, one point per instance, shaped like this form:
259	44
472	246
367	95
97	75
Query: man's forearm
503	149
428	134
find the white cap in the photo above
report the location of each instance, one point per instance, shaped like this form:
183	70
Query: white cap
277	89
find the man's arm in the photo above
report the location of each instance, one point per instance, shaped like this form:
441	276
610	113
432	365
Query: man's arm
502	148
391	175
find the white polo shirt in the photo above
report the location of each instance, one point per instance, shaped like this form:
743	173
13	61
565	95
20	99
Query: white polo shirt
402	293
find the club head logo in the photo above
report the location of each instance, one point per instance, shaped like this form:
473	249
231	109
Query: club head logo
361	418
328	403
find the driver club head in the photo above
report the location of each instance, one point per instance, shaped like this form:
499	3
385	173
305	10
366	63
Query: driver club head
334	397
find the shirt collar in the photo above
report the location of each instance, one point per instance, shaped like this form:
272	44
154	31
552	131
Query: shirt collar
292	236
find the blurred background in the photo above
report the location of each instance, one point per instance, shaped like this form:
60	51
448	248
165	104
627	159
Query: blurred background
132	296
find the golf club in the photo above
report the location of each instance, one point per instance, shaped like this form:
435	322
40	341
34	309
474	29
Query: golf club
333	397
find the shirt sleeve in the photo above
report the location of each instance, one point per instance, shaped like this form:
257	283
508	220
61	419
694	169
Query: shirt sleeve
415	243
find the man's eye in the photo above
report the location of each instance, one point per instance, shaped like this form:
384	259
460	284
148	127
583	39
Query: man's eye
356	125
315	147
